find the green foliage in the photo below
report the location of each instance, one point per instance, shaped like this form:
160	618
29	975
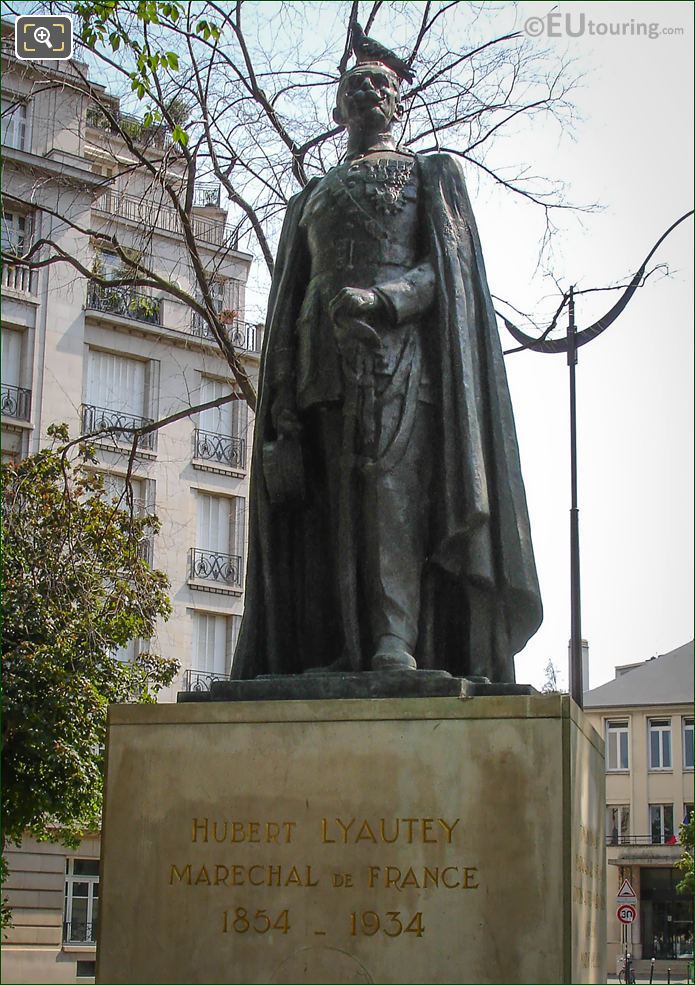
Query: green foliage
100	26
687	860
75	588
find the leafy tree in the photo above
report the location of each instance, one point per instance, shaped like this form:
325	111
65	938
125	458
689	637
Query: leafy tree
75	588
687	860
240	94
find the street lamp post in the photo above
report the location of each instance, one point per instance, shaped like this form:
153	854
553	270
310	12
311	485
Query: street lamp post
569	344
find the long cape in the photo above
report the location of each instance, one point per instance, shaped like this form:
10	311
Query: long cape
481	569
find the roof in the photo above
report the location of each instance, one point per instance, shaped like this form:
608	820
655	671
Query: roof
663	680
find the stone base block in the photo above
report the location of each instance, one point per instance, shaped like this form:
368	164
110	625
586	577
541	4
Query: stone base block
437	839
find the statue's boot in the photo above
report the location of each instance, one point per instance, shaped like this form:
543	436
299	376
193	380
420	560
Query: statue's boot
392	654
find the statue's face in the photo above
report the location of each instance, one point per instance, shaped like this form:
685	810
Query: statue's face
367	98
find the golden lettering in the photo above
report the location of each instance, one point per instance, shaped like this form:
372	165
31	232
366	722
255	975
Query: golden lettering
253	831
393	876
289	827
450	885
345	828
252	880
238	875
214	832
202	877
448	828
382	830
426	830
430	876
199	824
449	877
366	834
427	823
218	877
182	876
468	877
410	879
272	832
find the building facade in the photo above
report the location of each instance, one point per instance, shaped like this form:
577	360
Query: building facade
99	357
645	716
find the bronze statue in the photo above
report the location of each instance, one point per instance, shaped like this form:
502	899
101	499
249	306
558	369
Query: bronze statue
388	520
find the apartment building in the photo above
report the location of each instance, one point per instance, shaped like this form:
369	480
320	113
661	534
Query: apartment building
646	718
100	357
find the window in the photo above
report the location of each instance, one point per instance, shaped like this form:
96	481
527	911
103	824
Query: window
688	743
688	810
15	233
221	524
119	391
14	122
220	438
617	824
617	757
214	639
11	357
86	969
660	744
16	399
229	419
661	823
81	900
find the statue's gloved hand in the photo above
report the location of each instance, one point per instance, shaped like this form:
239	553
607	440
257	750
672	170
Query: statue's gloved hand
350	309
283	410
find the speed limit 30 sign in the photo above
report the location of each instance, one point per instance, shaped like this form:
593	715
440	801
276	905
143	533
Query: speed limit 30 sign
626	913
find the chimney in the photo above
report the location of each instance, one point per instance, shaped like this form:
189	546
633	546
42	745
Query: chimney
585	663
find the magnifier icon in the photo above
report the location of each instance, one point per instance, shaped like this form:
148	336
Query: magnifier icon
43	36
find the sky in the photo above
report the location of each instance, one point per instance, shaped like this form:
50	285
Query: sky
630	153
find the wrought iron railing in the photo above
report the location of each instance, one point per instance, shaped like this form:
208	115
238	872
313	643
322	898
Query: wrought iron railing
16	277
224	449
79	932
206	193
243	335
215	566
118	425
15	402
200	680
126	302
161	216
615	839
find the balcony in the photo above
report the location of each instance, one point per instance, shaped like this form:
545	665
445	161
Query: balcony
615	839
117	425
241	334
206	195
126	302
154	215
15	402
17	277
221	572
200	680
132	126
220	449
78	932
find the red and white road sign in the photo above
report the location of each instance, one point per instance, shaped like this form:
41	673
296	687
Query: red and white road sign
626	913
626	893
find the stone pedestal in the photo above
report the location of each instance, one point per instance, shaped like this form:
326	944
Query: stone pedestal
390	840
